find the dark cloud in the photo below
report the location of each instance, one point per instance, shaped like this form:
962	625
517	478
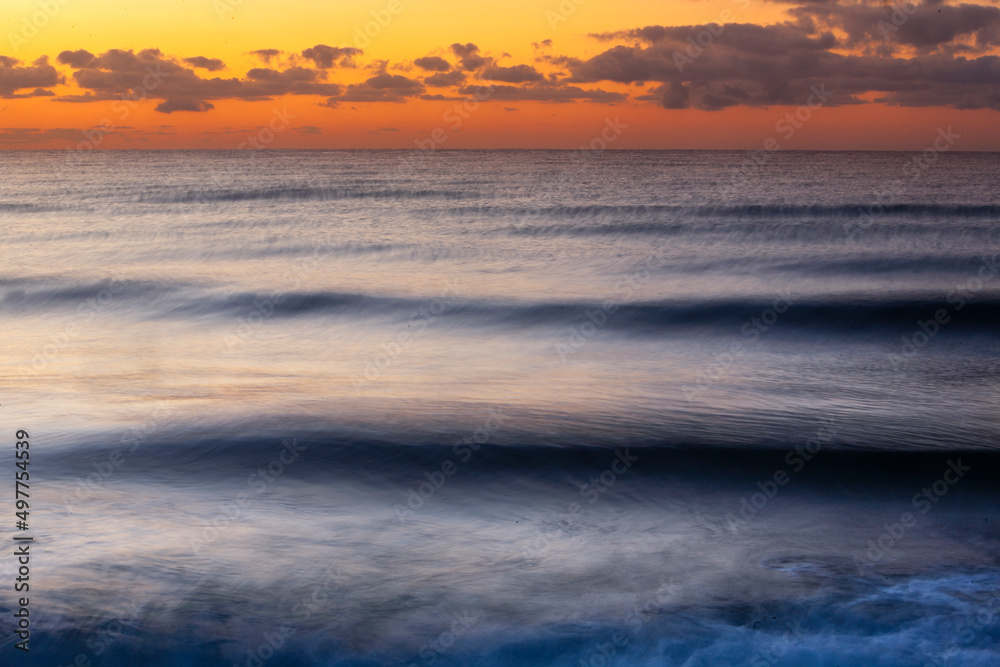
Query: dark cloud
432	64
382	87
76	59
33	135
718	66
543	93
326	57
267	56
930	26
170	106
937	54
118	74
469	56
395	82
445	79
37	76
210	64
515	74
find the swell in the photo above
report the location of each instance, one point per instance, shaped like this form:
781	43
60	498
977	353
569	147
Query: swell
295	194
335	452
853	210
840	315
785	230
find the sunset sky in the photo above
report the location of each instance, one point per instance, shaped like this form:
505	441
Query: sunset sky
233	74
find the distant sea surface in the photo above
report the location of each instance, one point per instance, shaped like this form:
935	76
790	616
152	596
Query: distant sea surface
504	407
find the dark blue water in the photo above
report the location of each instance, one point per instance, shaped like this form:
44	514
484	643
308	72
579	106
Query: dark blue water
505	407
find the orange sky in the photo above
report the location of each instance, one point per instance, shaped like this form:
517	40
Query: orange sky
509	32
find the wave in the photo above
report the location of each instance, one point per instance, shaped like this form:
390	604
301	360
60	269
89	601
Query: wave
179	300
787	231
518	449
637	318
901	622
854	210
12	208
303	193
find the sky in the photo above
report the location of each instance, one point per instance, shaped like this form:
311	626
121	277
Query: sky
440	74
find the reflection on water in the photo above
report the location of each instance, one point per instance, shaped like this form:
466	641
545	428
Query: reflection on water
356	414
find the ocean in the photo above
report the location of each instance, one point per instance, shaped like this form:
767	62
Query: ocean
503	407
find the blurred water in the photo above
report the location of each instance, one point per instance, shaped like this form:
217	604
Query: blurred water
457	345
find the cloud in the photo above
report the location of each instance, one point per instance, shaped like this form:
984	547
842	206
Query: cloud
66	137
267	56
932	25
469	56
118	74
515	74
77	59
15	77
715	66
432	64
210	64
326	57
382	87
939	54
34	135
445	79
170	106
544	93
